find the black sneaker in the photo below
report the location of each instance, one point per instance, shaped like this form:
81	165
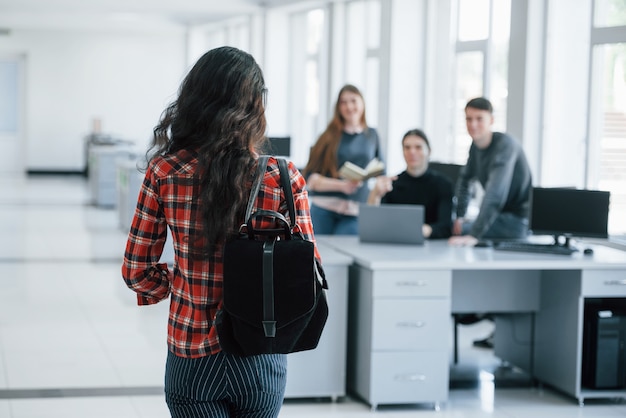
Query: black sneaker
485	343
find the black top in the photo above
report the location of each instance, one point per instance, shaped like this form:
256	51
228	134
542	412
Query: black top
433	191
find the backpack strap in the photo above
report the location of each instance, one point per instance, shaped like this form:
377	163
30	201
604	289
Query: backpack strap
285	183
254	192
269	320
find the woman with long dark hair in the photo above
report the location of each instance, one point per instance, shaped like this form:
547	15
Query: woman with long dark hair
197	183
334	200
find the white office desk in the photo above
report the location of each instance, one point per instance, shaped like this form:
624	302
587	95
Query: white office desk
437	254
401	299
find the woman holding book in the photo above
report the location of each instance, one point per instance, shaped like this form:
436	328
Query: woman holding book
347	139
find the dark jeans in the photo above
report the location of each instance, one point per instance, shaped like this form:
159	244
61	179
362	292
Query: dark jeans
506	226
327	222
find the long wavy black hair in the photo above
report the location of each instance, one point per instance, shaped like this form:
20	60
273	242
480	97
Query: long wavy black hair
220	114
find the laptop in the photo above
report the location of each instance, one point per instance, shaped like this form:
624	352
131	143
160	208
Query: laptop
391	224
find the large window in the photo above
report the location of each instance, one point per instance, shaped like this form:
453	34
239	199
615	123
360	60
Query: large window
313	84
306	77
607	129
481	64
235	33
609	13
362	64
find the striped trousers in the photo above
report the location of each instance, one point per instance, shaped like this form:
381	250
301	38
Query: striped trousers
223	385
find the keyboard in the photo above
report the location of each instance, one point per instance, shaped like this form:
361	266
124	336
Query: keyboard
534	248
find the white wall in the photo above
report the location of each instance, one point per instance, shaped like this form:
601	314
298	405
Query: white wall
71	77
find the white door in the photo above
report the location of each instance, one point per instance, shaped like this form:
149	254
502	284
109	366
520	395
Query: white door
11	139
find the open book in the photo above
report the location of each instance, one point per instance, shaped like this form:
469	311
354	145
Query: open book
351	171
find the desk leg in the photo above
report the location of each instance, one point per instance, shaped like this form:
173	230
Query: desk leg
456	339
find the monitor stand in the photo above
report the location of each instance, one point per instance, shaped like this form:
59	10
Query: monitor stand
564	241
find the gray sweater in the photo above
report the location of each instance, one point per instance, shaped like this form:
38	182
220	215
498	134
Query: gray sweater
359	149
504	174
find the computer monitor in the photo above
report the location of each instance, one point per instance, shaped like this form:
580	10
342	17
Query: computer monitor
280	146
567	212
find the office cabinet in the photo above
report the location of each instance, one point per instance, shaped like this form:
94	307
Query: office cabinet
102	163
604	283
128	184
402	377
128	180
399	336
406	325
558	357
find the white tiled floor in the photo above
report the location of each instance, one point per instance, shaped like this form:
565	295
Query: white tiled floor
74	344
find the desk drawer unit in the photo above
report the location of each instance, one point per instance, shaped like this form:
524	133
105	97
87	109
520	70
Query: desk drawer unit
559	361
408	377
407	283
603	283
410	324
400	337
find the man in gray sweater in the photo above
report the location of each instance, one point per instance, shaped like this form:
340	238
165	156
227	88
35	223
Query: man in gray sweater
497	161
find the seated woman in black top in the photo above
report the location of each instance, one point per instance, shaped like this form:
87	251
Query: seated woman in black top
418	185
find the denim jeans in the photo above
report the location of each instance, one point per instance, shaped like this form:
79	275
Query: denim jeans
506	226
326	222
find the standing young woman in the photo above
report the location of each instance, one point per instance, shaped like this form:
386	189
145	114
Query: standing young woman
335	201
197	183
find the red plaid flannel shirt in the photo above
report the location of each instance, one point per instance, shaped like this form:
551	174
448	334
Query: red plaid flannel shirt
168	197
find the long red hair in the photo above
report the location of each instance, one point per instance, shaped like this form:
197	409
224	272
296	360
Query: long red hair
323	155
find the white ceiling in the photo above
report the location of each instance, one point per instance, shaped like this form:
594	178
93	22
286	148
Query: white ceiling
137	14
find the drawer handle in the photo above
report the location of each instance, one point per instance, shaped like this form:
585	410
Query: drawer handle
412	324
615	282
410	377
418	283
